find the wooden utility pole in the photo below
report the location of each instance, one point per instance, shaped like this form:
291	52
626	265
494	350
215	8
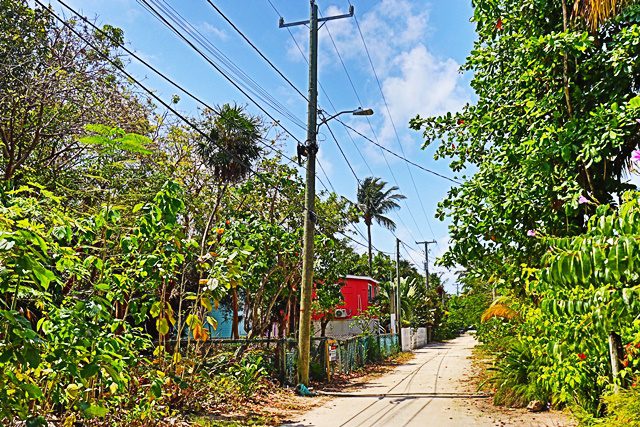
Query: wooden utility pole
426	259
399	303
310	150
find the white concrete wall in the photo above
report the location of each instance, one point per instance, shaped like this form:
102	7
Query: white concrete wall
413	338
343	328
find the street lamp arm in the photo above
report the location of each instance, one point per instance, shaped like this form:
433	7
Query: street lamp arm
356	112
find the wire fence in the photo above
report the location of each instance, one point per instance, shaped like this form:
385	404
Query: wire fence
328	355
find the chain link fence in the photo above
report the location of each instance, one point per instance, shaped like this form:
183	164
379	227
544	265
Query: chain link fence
328	355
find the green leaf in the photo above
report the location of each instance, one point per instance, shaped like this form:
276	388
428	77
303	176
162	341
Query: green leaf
89	370
155	309
96	411
635	102
163	326
32	389
32	356
43	275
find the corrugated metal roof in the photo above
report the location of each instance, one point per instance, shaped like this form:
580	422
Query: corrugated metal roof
362	278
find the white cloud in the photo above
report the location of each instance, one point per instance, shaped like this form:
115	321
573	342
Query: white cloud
423	84
214	31
414	80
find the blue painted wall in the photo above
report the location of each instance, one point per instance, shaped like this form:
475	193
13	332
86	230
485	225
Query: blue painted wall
223	316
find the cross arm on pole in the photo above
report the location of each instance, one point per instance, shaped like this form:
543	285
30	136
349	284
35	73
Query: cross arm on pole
282	24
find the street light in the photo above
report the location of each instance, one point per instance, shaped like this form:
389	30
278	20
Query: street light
302	149
357	112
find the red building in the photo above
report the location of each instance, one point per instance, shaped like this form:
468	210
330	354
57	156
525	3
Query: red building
358	293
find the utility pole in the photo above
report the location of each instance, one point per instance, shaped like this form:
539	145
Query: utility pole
426	258
399	303
309	150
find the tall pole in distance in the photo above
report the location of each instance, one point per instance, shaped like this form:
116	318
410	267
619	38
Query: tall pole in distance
426	259
309	150
399	303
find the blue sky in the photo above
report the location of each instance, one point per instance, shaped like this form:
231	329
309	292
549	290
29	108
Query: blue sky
416	47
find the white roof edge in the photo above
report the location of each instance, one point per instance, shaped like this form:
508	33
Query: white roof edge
349	276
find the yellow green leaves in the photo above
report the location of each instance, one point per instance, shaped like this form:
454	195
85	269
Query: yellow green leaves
165	316
162	325
116	138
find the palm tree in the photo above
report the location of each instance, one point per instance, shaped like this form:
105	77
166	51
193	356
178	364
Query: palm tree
229	150
374	201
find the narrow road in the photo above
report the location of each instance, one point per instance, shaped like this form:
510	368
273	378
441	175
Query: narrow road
432	389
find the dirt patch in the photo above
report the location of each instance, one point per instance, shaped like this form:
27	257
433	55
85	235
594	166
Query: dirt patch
504	416
279	405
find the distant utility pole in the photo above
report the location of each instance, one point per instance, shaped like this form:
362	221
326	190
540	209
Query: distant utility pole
426	258
399	304
309	150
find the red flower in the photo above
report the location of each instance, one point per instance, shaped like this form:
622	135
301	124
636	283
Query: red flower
227	222
460	121
582	356
499	24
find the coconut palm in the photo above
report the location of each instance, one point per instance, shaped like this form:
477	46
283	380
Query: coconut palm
374	201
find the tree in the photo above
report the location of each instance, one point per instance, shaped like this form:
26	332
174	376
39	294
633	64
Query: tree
230	150
53	84
374	202
549	138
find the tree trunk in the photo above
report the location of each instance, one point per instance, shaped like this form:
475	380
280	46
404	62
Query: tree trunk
323	327
615	354
235	334
205	233
370	256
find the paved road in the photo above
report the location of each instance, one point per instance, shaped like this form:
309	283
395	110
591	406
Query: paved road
430	390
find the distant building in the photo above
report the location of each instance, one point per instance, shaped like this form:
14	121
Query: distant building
358	293
224	317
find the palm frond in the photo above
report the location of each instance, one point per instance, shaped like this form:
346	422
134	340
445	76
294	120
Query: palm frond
387	223
500	310
596	12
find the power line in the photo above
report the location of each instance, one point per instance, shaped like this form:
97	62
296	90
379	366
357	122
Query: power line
406	249
243	82
153	95
347	130
382	147
346	159
384	99
276	69
180	87
355	91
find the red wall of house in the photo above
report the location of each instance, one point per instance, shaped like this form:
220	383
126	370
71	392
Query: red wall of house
355	293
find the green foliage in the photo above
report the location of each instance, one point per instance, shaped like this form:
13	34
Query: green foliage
622	409
549	142
77	291
248	375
